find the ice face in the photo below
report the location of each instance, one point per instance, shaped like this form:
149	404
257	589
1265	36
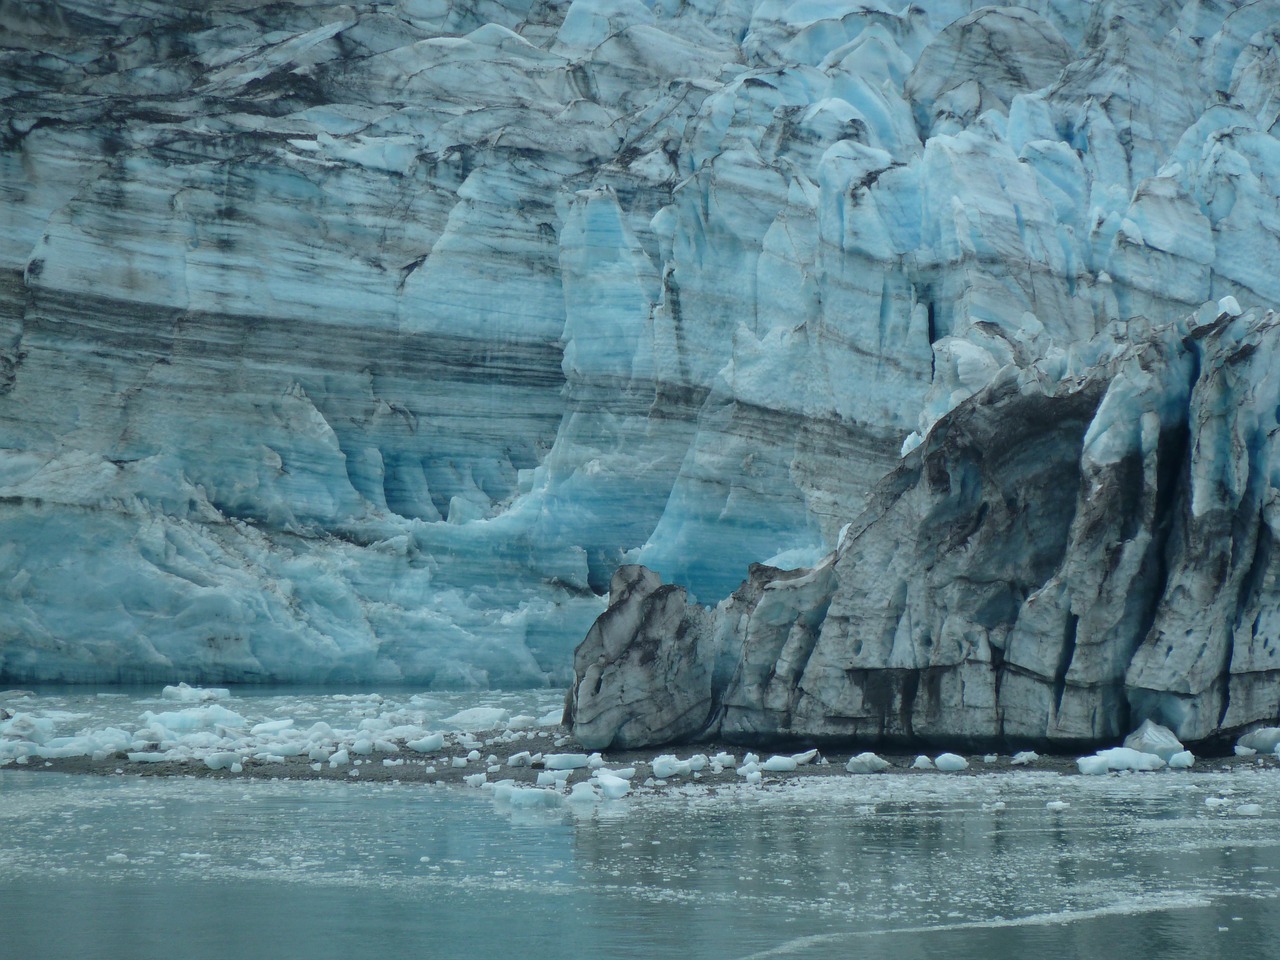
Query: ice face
365	342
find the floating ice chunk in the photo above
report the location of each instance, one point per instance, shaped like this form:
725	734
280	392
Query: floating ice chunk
23	726
270	726
1249	810
525	798
867	763
1057	806
565	761
339	759
1214	803
1092	766
951	762
521	759
1025	758
551	718
478	718
362	747
473	756
724	759
990	757
428	744
748	768
802	758
459	762
192	719
185	693
475	779
1244	751
1184	760
583	793
1154	739
595	761
777	764
626	773
922	763
1262	740
613	788
755	776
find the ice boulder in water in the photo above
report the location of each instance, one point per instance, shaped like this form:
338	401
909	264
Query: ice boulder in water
525	798
1152	738
613	788
24	726
210	717
185	693
478	718
950	762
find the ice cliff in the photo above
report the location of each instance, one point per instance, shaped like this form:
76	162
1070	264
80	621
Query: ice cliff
1058	560
366	341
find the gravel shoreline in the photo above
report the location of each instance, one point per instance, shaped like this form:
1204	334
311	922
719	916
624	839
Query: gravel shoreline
495	747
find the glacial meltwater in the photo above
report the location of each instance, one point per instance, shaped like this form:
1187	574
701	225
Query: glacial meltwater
993	865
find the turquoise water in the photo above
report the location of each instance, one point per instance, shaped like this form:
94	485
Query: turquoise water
886	866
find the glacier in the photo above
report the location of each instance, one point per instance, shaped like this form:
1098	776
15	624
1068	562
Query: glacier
365	342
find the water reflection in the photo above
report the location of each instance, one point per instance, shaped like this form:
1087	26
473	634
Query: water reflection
877	867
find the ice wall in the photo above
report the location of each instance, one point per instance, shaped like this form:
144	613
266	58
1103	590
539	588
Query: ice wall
365	341
1061	559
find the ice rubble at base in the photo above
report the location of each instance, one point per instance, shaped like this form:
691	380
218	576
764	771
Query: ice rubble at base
673	284
223	738
1150	747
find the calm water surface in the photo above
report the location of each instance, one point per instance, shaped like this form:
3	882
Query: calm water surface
887	866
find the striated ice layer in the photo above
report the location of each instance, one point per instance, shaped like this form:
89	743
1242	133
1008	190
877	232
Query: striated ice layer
365	341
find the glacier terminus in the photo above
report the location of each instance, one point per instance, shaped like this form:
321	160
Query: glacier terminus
398	342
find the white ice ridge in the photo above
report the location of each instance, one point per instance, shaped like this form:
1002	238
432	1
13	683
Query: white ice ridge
364	342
